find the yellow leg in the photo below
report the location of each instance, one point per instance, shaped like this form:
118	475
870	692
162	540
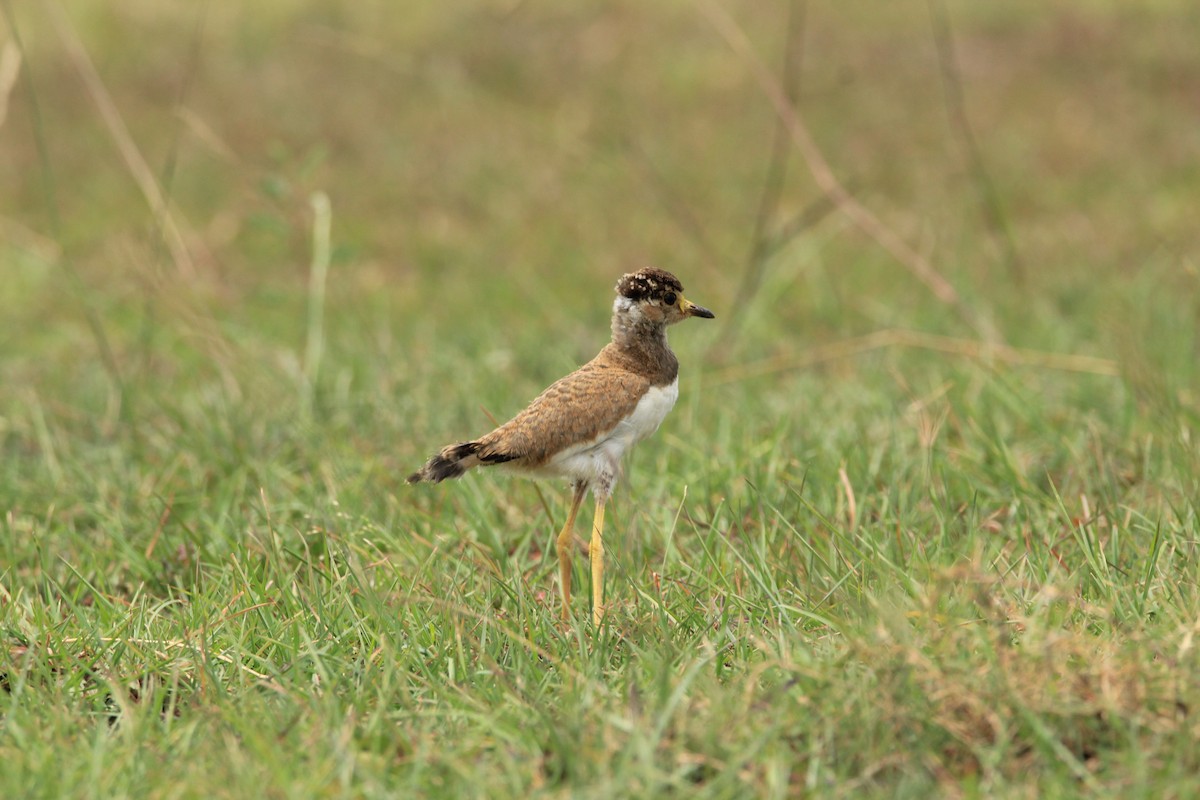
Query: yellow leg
596	551
565	541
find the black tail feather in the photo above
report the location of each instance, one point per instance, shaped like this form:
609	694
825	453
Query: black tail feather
446	464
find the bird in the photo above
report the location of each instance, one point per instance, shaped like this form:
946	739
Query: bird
582	425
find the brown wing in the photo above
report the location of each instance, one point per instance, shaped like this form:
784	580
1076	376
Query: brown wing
578	408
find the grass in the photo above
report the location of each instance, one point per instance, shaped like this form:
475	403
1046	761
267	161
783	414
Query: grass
867	555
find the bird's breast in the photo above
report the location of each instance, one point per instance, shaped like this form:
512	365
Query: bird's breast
651	410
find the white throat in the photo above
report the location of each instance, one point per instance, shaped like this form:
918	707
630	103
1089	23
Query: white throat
623	306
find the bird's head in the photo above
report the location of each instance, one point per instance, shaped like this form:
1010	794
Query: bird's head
656	296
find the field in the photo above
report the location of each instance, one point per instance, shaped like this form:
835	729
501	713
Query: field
924	521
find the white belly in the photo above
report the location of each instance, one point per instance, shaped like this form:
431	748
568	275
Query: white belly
598	462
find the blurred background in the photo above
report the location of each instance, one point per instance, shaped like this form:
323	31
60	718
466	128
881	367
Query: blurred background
492	167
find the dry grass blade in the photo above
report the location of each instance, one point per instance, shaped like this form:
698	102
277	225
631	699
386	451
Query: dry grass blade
892	337
10	68
851	502
132	156
27	239
822	173
763	244
991	207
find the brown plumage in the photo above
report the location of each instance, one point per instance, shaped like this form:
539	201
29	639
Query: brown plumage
581	426
575	409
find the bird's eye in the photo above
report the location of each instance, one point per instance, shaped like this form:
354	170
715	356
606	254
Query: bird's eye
669	298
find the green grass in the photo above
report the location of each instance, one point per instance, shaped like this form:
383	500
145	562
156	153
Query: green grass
866	555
